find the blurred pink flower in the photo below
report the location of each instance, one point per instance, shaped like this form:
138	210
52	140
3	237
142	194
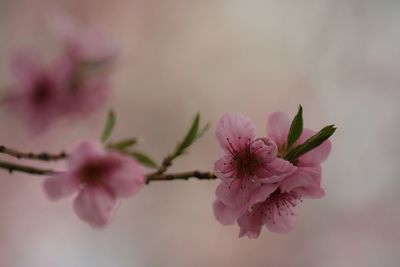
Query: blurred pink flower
247	166
37	95
76	83
100	178
90	54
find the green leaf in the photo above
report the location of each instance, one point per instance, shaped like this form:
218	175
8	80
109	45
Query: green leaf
123	144
144	159
189	138
203	131
296	128
109	126
311	143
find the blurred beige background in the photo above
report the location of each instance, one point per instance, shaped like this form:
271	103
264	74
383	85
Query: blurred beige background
339	59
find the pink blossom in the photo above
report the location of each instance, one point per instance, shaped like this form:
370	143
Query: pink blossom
307	178
248	165
269	197
277	211
37	95
89	55
100	178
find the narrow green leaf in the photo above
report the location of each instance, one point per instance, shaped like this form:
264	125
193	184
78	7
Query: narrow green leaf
109	126
203	131
144	159
189	138
313	142
123	144
296	128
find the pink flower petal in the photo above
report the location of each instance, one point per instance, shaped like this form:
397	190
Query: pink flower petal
95	205
278	126
264	149
234	131
224	168
282	220
318	154
234	193
261	194
128	179
60	185
312	191
302	177
282	168
84	152
25	67
226	215
251	223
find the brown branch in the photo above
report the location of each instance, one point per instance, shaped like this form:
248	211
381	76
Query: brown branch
44	156
13	167
181	176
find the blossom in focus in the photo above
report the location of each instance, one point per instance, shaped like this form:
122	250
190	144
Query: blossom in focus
246	169
99	178
307	177
274	203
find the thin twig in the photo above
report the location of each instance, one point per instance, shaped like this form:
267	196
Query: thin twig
44	156
181	176
11	167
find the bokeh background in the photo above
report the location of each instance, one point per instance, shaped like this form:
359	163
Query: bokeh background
339	58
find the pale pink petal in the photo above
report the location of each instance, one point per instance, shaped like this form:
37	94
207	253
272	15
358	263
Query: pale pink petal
282	168
261	193
95	205
251	223
302	177
278	126
224	168
234	193
60	185
25	67
226	215
274	171
84	152
127	179
311	191
281	220
318	154
234	131
264	149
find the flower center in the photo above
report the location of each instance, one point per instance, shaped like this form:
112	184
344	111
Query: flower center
246	160
95	172
42	91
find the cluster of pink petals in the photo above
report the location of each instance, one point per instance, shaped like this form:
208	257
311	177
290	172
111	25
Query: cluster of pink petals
257	186
76	82
99	178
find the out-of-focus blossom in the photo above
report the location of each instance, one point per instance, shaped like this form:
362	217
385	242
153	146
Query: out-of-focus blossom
90	55
76	83
273	203
100	178
248	165
37	94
